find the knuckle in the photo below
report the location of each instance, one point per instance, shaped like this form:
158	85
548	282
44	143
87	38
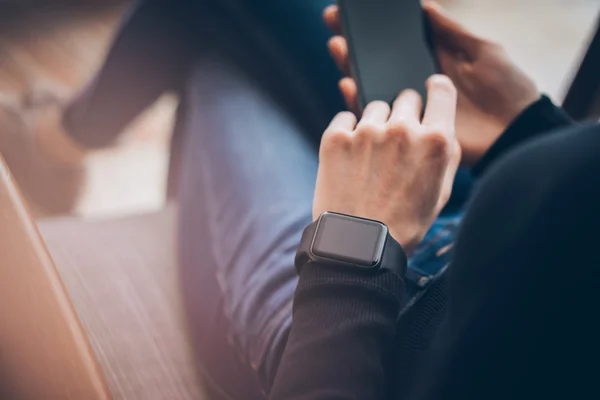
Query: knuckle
437	143
398	131
335	140
367	132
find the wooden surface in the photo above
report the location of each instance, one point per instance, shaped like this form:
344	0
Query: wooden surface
44	352
122	278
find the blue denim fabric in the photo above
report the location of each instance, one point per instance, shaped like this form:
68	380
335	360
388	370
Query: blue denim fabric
431	258
247	187
246	197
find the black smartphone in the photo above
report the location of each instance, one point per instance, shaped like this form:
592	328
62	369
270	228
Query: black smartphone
390	47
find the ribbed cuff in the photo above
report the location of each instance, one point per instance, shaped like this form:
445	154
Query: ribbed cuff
386	283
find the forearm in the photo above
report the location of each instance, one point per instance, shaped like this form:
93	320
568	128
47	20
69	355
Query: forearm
147	58
341	338
538	119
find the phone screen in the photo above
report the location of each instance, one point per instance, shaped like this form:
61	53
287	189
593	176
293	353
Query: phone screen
389	47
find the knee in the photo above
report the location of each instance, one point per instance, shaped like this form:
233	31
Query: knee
214	77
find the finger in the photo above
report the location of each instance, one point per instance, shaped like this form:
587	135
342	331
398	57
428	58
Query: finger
449	33
344	121
407	108
440	113
331	15
376	112
350	92
338	48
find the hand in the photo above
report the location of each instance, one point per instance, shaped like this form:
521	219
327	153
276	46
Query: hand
492	90
392	167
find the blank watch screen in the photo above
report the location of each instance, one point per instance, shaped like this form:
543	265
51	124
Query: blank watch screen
350	240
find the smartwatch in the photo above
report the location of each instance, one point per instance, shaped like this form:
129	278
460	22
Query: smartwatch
349	242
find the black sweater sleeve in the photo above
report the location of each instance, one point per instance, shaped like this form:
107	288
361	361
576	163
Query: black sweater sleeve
539	118
341	341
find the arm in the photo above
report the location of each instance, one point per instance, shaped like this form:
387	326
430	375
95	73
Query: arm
341	338
513	328
147	58
539	118
344	320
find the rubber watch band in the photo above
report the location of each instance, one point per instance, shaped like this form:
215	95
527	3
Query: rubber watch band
393	258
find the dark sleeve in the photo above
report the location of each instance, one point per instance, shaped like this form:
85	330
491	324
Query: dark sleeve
539	118
514	328
341	340
147	58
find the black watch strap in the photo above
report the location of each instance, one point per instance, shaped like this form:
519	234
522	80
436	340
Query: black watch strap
394	257
303	253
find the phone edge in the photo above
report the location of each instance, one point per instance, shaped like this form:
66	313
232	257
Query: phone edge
354	72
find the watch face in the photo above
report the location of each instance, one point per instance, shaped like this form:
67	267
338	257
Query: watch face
348	239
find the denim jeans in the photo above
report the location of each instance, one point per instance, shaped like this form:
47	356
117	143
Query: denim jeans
258	90
246	190
246	195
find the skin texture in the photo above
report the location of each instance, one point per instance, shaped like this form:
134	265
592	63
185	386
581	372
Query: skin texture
492	90
392	166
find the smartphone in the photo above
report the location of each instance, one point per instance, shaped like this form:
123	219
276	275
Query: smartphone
390	47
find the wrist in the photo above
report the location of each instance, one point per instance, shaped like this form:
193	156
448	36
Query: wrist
408	238
345	242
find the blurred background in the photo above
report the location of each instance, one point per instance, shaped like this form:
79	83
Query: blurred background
48	51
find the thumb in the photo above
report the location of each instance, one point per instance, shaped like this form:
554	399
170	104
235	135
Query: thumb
448	33
448	64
